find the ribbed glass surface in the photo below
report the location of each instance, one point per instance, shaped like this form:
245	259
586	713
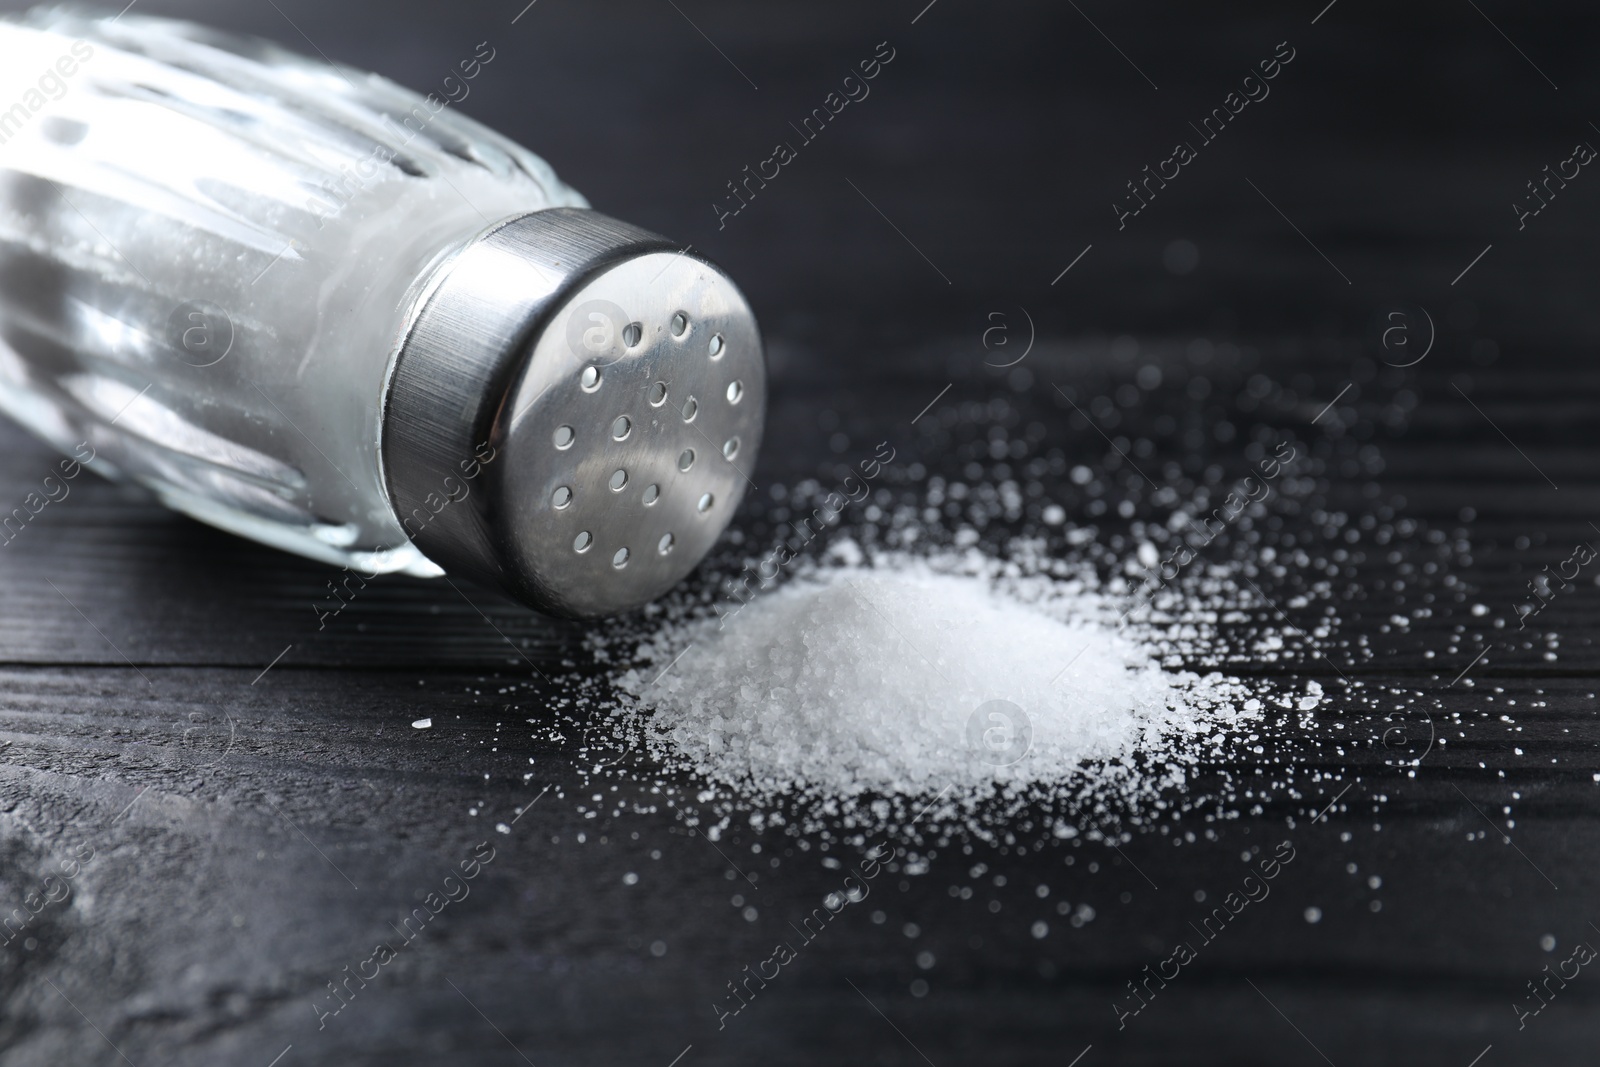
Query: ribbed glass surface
209	248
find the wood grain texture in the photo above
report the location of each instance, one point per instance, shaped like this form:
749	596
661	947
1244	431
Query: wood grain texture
280	822
252	832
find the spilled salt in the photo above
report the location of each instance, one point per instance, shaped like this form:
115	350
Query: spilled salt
894	672
922	676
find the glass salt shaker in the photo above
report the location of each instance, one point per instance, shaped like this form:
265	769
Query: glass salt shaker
311	307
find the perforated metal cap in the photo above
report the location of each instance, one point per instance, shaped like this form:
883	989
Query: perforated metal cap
573	413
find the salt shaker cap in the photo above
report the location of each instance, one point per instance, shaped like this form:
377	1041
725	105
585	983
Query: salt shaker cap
573	412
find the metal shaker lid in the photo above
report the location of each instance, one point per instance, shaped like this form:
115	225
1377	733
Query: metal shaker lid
573	412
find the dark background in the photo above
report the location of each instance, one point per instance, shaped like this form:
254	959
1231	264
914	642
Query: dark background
132	641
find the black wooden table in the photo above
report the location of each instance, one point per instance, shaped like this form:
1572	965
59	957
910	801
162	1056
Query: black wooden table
217	804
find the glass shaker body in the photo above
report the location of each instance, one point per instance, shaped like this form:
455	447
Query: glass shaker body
210	250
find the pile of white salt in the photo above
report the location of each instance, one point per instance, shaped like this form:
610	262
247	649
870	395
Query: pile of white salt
919	676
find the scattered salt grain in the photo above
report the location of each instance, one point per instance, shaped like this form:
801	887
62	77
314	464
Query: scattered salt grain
1029	654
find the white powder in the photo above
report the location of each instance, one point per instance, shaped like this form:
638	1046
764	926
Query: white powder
852	699
952	675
